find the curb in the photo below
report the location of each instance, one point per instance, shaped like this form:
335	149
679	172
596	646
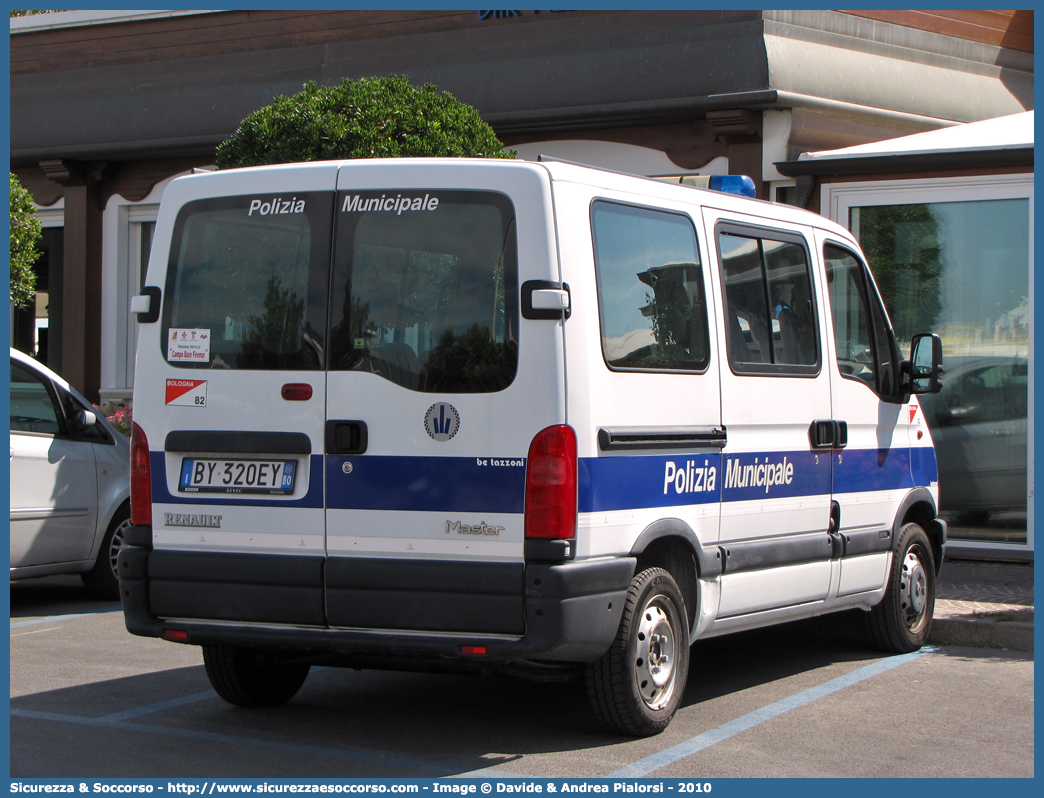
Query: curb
983	632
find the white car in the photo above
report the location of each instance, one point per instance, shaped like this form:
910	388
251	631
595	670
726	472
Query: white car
70	481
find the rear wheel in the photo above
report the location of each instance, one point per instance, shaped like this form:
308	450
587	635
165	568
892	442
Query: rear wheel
637	685
249	678
103	580
902	620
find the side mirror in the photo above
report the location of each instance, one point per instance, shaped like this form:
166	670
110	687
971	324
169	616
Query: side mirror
925	363
85	419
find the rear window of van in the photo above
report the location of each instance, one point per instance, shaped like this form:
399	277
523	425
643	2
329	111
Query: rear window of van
425	289
248	276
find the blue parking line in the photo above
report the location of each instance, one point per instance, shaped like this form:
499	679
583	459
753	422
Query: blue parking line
642	767
741	724
162	705
53	618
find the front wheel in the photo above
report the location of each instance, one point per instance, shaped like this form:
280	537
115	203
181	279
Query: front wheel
902	620
249	678
637	685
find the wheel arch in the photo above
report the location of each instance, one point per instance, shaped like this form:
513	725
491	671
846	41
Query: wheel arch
918	506
671	544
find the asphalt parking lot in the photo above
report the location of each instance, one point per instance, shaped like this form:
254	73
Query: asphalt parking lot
807	699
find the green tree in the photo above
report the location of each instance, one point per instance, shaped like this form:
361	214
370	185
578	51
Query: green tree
366	118
25	231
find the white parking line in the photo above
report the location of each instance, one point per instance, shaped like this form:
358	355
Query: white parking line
36	631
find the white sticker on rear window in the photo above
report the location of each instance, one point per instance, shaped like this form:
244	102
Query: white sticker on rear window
188	346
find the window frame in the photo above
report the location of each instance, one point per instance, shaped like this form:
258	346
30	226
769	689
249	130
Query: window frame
706	286
873	295
746	230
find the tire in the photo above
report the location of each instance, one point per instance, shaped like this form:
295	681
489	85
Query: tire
901	622
103	580
247	678
638	684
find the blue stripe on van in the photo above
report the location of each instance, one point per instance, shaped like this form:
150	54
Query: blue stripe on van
434	484
624	483
923	465
872	469
495	485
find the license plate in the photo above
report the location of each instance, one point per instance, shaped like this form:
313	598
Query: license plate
273	477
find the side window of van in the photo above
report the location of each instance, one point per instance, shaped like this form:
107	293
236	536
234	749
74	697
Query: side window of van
769	311
651	300
425	289
251	274
865	349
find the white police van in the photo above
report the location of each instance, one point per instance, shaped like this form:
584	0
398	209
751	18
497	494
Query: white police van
520	417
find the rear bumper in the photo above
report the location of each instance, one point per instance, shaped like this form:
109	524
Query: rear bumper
560	612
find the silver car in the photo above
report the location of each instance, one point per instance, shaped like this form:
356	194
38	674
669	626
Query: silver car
978	423
70	481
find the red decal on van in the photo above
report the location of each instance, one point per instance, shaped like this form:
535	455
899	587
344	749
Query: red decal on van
187	392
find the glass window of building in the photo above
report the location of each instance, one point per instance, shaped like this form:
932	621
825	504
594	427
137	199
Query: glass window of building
962	269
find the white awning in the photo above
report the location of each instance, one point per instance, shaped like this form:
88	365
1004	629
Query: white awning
1013	132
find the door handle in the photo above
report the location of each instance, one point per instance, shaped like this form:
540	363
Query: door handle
828	434
346	437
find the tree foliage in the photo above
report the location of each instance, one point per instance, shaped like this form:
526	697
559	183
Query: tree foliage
366	118
25	231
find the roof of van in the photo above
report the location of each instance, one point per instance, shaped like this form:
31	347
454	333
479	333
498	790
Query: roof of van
560	170
654	187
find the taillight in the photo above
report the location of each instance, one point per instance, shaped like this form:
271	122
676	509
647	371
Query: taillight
551	484
140	478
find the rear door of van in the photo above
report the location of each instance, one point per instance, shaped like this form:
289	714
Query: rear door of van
235	411
436	387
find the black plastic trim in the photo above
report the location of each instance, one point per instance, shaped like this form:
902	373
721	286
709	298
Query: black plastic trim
708	560
271	588
752	555
550	549
237	442
632	438
155	295
138	535
425	595
867	541
915	496
572	614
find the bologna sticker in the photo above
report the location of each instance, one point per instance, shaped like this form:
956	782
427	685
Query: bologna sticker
188	346
187	393
442	421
